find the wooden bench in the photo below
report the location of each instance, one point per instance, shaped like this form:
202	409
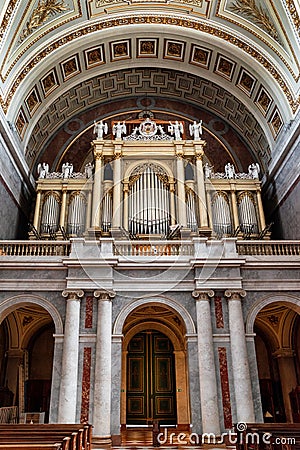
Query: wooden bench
60	436
264	436
31	447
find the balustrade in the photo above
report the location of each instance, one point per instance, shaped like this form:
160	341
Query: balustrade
268	248
162	248
35	248
148	248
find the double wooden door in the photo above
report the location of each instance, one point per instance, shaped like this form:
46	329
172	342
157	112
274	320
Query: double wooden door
150	379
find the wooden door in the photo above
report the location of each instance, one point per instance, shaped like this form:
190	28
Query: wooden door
150	379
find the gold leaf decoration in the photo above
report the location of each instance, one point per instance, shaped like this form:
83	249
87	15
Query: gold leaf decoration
44	10
257	14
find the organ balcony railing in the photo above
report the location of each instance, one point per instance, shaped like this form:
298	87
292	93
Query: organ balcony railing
110	248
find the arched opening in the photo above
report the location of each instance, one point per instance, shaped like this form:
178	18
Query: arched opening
154	368
277	335
26	363
150	379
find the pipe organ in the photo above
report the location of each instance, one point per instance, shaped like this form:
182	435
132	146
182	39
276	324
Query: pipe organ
149	202
155	181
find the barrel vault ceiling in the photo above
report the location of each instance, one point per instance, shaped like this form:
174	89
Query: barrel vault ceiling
235	59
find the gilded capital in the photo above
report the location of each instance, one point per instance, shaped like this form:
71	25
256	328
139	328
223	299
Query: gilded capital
179	151
118	150
98	154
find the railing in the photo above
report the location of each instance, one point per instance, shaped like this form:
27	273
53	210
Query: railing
268	248
9	414
148	248
35	248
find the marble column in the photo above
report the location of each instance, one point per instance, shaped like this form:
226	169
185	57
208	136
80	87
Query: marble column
37	211
103	361
69	374
239	357
260	210
288	378
63	206
234	206
194	385
125	209
207	368
172	201
201	188
88	210
116	388
181	203
117	200
97	191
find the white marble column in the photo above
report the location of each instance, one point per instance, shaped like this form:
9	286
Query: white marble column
125	201
102	387
63	206
172	201
234	206
37	211
97	191
239	356
88	210
69	374
207	368
181	203
117	188
201	194
260	210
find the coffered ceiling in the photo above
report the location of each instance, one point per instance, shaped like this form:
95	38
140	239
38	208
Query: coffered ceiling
237	59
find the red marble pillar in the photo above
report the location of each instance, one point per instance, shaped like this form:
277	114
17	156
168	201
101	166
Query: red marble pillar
225	387
86	384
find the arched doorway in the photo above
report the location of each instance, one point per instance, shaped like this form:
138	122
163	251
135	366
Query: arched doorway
150	379
277	336
26	365
154	347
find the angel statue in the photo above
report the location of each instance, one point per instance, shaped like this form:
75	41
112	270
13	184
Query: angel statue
67	170
119	129
229	171
88	170
208	170
196	129
253	170
100	128
176	129
43	169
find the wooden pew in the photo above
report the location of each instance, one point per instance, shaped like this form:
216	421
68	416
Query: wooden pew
263	436
68	436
